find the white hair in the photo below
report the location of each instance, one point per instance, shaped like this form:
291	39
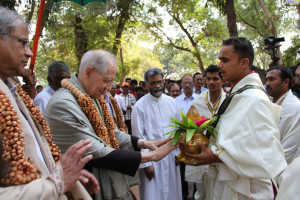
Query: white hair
98	59
9	19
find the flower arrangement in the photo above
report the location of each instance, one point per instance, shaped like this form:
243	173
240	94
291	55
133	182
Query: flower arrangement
191	123
191	129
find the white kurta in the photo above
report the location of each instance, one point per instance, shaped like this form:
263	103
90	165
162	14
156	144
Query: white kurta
198	172
289	182
150	120
289	126
248	144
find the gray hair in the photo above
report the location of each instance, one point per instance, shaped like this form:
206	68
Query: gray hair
151	72
9	19
98	59
55	67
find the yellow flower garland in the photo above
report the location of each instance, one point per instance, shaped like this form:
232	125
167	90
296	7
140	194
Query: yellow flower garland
24	171
90	110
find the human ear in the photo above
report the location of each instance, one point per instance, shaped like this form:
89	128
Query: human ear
89	71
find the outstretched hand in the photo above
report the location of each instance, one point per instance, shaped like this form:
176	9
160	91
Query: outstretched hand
205	157
152	145
72	162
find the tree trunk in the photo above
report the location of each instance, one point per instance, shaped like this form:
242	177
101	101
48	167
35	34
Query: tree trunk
267	16
124	17
298	10
80	38
231	18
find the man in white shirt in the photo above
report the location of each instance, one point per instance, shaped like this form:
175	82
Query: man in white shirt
151	121
184	101
57	71
278	85
247	151
198	81
129	103
118	97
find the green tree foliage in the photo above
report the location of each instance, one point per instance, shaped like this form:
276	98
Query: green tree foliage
192	23
290	54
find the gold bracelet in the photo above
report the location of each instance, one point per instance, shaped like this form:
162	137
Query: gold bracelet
220	152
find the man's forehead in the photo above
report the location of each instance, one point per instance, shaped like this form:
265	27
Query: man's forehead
226	50
273	73
199	75
212	74
187	78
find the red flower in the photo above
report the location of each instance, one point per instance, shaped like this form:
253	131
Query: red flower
201	121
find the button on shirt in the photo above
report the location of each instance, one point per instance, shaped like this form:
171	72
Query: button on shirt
185	103
42	99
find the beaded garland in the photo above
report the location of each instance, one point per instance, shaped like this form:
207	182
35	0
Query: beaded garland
119	115
24	171
90	110
109	122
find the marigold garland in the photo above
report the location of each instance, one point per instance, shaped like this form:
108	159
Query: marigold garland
119	115
24	171
90	110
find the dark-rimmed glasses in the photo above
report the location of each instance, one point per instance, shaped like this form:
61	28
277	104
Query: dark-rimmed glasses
25	42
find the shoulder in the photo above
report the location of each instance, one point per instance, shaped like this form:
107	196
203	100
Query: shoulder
179	98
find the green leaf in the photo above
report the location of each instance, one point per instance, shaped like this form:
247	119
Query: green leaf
176	136
203	126
184	118
189	134
212	120
192	124
176	121
171	132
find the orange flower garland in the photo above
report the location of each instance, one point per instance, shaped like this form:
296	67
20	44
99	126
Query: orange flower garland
90	110
24	171
109	122
119	118
36	113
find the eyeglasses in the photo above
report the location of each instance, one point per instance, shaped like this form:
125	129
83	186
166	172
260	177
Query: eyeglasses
198	79
187	83
175	91
152	84
25	42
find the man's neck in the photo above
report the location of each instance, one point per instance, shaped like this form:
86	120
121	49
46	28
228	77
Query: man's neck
125	94
198	90
188	95
214	96
275	99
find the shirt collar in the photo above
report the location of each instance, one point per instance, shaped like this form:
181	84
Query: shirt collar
50	90
12	87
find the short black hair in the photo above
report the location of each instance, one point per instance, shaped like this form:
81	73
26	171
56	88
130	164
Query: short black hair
285	73
133	81
242	47
138	88
55	67
172	85
126	79
195	75
38	86
213	68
